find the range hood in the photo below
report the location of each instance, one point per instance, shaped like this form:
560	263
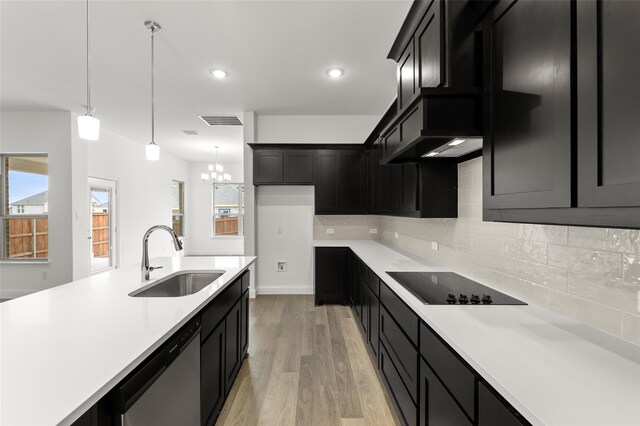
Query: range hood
438	52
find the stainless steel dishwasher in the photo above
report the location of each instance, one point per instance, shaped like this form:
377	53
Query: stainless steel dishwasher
165	389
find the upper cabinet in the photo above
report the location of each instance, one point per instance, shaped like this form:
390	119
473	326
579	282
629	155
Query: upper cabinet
528	140
283	167
560	134
608	103
340	182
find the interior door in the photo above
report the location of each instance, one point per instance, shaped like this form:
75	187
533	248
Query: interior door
102	225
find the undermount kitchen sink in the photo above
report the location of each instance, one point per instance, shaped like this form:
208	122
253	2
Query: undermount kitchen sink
178	284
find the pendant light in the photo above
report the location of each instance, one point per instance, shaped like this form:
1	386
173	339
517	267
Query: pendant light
152	150
215	172
88	125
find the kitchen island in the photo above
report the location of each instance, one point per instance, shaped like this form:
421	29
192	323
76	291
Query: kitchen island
64	348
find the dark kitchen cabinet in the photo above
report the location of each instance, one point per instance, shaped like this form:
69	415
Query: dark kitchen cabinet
373	320
283	166
608	107
244	336
212	374
268	167
233	345
405	406
527	151
364	307
493	410
331	275
437	407
429	43
340	182
406	75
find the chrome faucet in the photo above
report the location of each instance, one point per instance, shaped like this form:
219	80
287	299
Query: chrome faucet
146	269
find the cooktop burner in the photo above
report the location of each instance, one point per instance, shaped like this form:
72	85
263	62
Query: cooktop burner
448	288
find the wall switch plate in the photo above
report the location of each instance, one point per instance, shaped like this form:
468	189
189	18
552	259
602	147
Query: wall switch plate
329	230
395	234
434	245
373	231
282	266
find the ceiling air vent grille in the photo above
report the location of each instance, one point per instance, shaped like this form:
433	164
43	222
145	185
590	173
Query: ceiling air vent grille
221	120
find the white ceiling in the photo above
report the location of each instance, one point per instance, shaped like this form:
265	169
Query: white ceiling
276	54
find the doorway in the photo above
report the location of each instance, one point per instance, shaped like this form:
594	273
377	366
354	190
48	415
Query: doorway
102	224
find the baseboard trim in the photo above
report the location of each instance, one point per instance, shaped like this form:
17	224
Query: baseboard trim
284	290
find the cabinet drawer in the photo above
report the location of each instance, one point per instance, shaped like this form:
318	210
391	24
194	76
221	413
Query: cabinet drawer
403	315
374	282
246	280
455	375
218	308
436	405
493	411
402	352
406	408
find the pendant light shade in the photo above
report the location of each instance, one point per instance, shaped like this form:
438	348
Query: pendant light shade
152	152
88	125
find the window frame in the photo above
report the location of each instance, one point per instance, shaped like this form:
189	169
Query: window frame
181	194
5	214
240	211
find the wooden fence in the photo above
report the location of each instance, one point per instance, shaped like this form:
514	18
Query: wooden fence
100	234
226	225
23	243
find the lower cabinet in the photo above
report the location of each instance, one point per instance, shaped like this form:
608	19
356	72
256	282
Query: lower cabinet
331	275
233	349
373	337
436	406
244	335
492	410
212	375
405	406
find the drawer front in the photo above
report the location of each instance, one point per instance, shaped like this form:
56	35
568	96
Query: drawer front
402	352
218	308
492	411
406	407
374	282
405	317
452	372
246	280
436	405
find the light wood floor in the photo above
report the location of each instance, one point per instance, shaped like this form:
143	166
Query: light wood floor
307	366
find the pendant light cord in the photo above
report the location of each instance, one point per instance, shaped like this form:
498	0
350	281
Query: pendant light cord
152	89
88	66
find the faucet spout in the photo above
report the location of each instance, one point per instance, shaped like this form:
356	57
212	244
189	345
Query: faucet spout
177	244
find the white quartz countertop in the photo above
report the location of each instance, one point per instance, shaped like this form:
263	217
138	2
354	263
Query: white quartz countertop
551	368
64	348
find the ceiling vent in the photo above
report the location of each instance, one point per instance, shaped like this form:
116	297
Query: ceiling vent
221	120
190	132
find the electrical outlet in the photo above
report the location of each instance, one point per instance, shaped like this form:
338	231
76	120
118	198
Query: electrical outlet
434	245
329	230
279	230
395	234
282	266
373	231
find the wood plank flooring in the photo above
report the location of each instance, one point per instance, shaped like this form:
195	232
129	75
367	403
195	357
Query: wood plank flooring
307	365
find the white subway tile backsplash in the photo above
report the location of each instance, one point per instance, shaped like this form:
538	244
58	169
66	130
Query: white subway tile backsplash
591	274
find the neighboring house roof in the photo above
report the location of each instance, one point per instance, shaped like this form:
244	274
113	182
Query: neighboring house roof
38	199
226	195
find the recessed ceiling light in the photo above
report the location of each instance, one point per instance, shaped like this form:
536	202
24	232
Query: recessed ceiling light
457	142
218	73
431	154
335	72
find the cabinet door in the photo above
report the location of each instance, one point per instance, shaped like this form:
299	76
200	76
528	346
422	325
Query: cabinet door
374	322
298	167
352	182
608	107
409	186
212	367
406	75
493	411
267	167
330	275
527	142
406	408
429	48
436	406
364	302
327	199
244	337
233	330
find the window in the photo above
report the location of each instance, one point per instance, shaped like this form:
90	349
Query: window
177	212
228	209
24	221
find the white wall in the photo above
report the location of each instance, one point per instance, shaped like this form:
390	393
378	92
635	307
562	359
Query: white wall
285	234
144	193
43	132
314	128
249	136
198	214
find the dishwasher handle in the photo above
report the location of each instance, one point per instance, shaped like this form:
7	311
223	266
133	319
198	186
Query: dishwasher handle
129	390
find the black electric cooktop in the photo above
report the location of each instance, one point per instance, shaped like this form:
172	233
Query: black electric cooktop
448	288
